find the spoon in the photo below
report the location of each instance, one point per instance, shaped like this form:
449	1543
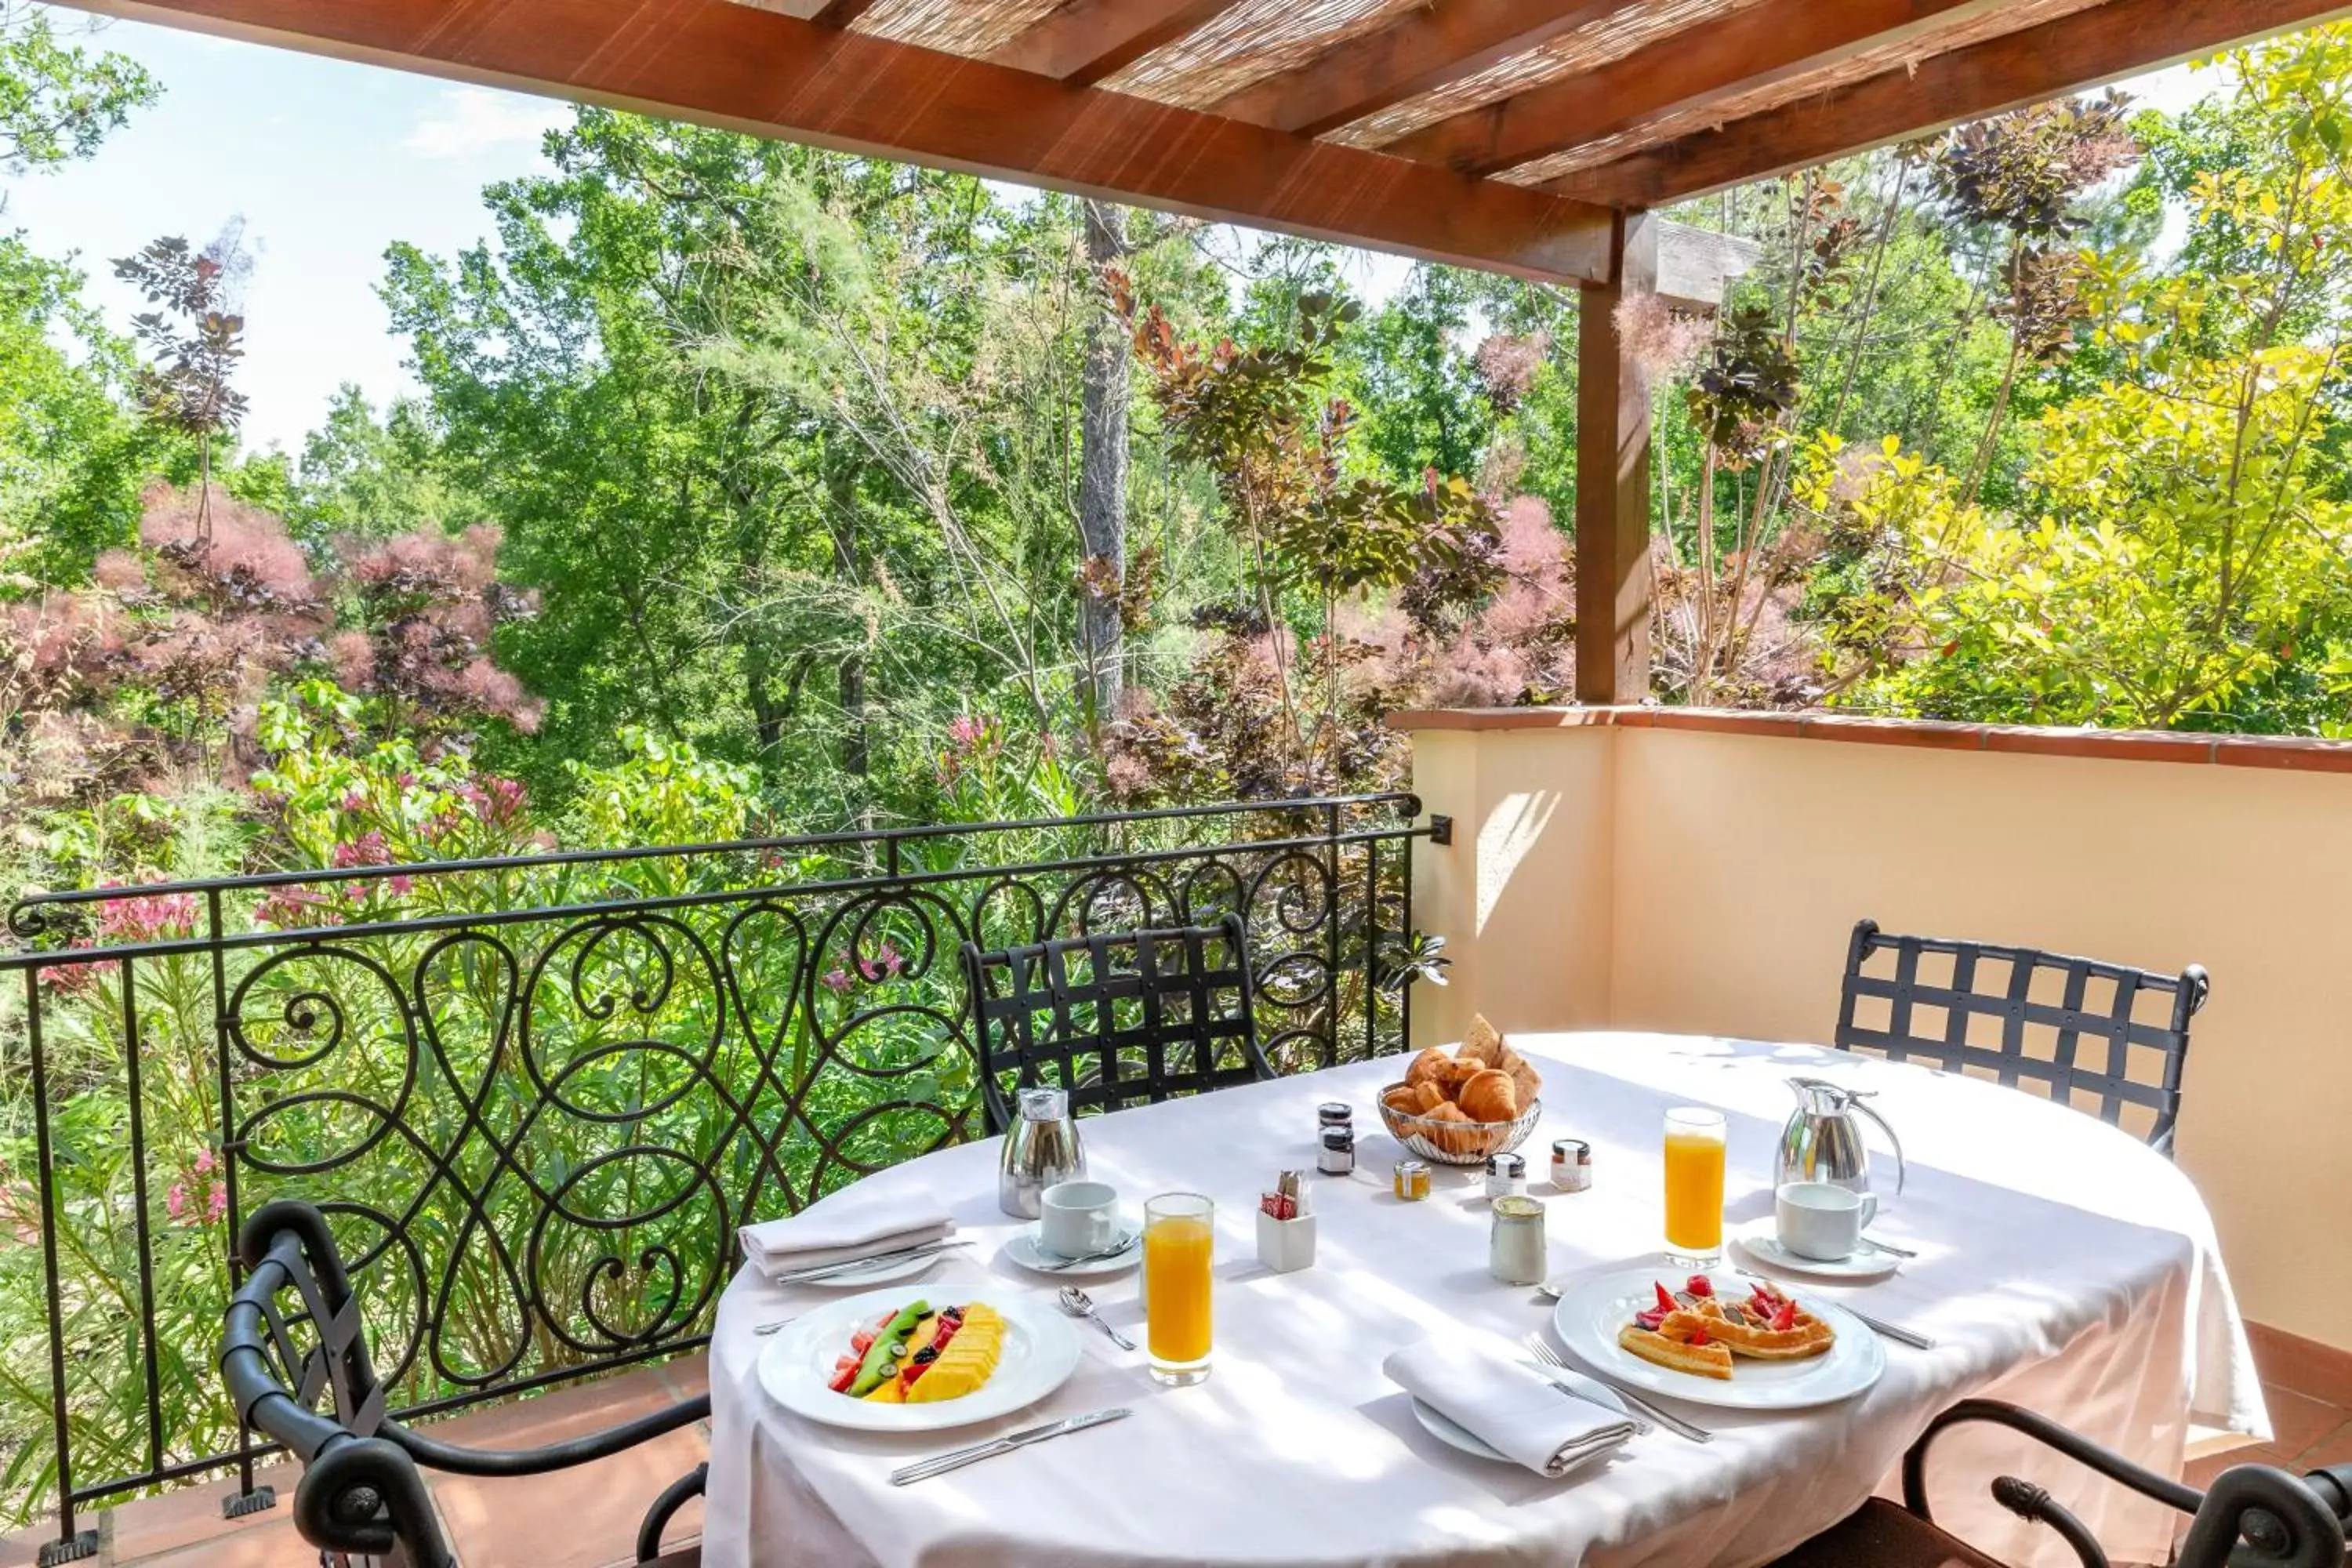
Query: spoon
1079	1304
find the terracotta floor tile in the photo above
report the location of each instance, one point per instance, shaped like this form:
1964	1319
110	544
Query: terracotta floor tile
687	1375
145	1526
558	1412
2297	1420
23	1549
2200	1473
580	1518
2335	1448
268	1542
2305	1366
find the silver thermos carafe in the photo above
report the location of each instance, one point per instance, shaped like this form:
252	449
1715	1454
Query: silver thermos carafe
1040	1148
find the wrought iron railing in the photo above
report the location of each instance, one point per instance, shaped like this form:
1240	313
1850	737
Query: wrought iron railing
537	1094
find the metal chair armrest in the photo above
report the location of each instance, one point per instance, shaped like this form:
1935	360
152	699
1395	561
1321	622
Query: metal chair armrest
362	1496
457	1461
2029	1501
674	1496
2283	1522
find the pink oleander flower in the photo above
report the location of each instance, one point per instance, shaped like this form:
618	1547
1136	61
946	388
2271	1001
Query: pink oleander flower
175	1202
148	917
836	980
886	963
205	1162
284	907
368	849
355	801
408	781
70	979
216	1205
400	887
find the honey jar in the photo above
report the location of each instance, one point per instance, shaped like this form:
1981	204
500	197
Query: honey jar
1411	1180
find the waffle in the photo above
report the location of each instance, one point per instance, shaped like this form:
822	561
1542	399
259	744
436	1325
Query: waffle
1662	1348
1740	1326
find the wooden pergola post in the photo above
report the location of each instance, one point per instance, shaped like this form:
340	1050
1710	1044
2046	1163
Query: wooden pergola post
1612	479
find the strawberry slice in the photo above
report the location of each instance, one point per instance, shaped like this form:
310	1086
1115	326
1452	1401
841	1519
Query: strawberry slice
1785	1319
1667	1302
1699	1337
1699	1285
1649	1320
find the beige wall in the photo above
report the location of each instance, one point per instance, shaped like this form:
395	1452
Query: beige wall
1734	867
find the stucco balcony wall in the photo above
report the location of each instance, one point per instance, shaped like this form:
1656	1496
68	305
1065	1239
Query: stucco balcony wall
1679	871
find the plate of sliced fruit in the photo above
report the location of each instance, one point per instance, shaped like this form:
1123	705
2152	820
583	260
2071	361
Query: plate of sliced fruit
900	1361
1716	1339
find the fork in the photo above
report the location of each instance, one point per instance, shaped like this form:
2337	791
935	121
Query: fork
1671	1422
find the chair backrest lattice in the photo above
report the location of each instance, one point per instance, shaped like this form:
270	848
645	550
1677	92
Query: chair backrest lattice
2102	1037
1117	1018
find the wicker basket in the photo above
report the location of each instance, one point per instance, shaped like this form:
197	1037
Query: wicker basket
1459	1143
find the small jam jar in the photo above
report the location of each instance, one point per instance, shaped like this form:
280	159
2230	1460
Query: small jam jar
1334	1113
1337	1155
1411	1180
1571	1164
1516	1253
1507	1176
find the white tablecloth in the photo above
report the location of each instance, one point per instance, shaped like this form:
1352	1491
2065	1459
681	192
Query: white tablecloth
2062	1266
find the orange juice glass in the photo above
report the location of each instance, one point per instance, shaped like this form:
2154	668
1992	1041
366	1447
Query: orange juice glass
1695	1141
1177	1240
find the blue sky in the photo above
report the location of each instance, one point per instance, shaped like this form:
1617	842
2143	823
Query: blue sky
328	163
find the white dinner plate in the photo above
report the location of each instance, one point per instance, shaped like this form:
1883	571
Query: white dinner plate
1040	1350
1455	1436
1024	1250
1592	1310
1761	1242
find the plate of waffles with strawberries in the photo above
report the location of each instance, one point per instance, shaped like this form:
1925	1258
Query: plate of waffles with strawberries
1717	1339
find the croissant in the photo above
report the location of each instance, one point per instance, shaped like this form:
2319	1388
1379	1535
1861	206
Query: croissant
1414	1099
1457	1136
1428	1067
1490	1096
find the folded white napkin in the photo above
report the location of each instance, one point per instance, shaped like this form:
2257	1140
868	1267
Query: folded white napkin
1514	1408
841	1228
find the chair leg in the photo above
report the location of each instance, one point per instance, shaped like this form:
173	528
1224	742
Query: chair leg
673	1497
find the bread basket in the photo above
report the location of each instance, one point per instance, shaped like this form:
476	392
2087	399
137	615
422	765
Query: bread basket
1459	1143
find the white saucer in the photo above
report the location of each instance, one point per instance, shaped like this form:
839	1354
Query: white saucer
1762	1243
1455	1436
1024	1250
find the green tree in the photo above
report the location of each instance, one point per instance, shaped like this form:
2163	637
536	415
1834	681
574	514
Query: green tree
2187	560
59	99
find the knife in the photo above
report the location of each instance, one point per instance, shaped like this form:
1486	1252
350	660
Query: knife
896	1254
956	1458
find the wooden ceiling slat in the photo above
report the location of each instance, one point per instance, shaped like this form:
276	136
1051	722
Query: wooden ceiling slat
1417	53
1682	71
717	63
1087	40
2120	38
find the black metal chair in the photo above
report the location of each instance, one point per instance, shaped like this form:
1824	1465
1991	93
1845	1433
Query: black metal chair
2254	1516
361	1498
1129	1018
2139	1019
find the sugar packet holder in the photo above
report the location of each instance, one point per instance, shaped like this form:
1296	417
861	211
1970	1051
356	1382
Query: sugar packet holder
1285	1225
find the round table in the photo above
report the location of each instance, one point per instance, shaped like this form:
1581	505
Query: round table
2062	1264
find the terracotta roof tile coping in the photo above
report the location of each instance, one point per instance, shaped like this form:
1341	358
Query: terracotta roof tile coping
2294	753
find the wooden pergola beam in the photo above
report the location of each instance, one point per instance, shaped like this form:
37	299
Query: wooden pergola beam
1682	71
1614	588
1087	40
2120	38
715	62
1419	52
825	12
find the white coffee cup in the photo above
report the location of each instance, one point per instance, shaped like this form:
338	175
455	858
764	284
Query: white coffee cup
1075	1218
1821	1220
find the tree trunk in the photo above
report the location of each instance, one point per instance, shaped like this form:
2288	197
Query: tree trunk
1102	474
